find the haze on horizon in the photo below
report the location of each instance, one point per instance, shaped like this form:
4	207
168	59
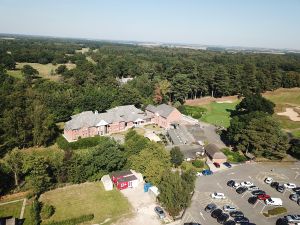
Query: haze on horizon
249	23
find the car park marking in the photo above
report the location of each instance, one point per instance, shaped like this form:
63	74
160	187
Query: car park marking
201	214
230	173
296	168
219	185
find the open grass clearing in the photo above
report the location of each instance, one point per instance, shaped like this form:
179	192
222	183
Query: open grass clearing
46	71
87	198
83	50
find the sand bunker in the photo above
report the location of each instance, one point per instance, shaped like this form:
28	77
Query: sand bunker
291	113
228	101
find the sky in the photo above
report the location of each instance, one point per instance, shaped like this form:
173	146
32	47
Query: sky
248	23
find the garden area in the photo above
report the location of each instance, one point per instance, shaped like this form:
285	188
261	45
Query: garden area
234	157
85	200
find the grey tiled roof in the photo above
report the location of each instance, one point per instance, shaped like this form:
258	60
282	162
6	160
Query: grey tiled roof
163	109
125	113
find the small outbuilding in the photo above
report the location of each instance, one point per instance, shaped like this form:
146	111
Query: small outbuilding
107	183
126	179
153	192
215	154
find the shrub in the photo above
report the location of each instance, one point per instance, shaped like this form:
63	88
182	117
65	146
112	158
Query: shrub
198	164
80	144
234	157
276	211
72	221
47	211
35	212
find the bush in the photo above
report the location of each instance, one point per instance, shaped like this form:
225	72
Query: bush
80	144
276	211
198	164
72	221
35	212
47	211
234	157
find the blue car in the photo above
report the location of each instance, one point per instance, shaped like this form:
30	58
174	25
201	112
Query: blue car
227	164
207	172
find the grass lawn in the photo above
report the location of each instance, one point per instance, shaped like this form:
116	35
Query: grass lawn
11	209
45	70
15	73
214	113
88	198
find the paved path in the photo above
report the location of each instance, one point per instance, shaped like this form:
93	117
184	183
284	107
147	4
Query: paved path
23	208
5	203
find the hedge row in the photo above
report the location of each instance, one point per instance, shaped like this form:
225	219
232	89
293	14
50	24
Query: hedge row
73	221
80	144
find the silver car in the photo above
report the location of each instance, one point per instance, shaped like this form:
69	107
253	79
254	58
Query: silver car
160	212
229	208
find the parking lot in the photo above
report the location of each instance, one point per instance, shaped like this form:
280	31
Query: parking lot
256	173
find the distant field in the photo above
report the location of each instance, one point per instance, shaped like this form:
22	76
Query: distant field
87	198
46	71
83	50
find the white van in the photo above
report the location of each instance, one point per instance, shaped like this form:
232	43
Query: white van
274	201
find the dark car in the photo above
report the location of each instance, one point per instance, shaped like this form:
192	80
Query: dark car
241	219
227	164
207	172
216	213
274	184
236	214
222	218
217	165
296	189
230	183
252	200
191	224
247	223
229	222
241	190
258	192
298	202
280	188
282	221
210	207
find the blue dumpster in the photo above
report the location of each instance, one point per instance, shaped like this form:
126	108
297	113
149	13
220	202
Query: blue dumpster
147	186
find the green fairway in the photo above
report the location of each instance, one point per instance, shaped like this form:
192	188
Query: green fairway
87	198
11	209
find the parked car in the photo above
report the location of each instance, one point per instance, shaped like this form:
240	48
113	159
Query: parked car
191	224
273	201
296	189
290	185
207	172
218	195
282	221
253	188
293	218
229	222
298	202
241	190
216	213
236	214
268	180
222	218
227	164
217	165
274	184
294	197
246	184
236	185
230	183
247	223
252	200
241	219
210	207
263	197
280	188
258	192
229	208
160	212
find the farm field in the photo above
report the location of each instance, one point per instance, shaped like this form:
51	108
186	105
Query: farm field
87	198
46	71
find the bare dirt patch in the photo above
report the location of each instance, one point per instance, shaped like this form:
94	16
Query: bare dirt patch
291	113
